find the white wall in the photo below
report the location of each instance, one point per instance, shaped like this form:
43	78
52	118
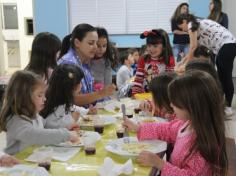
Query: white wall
25	10
229	8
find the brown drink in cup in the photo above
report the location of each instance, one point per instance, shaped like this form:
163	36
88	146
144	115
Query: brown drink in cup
89	146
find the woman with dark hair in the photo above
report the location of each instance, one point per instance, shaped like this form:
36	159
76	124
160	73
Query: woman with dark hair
216	13
220	41
44	53
181	38
83	47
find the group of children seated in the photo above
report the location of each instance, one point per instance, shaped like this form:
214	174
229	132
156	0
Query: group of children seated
35	112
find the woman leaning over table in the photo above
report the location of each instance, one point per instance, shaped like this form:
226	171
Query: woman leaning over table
83	46
222	43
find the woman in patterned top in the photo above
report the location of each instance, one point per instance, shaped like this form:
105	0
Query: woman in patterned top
159	59
222	43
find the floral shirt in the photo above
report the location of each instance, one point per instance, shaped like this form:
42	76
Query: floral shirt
72	58
213	35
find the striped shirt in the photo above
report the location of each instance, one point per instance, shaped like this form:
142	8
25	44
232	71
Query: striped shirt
149	69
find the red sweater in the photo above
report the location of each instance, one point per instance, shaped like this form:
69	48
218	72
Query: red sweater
149	69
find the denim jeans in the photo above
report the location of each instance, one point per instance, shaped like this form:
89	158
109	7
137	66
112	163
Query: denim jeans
178	48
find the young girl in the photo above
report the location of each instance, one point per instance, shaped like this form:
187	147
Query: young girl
197	133
159	59
44	53
64	85
160	105
103	62
218	39
181	38
23	99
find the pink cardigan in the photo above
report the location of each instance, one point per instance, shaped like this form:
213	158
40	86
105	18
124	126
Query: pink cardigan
170	132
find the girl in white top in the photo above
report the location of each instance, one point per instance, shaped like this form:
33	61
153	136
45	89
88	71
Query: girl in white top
23	100
59	110
218	39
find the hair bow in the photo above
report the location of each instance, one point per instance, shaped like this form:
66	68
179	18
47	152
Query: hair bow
147	33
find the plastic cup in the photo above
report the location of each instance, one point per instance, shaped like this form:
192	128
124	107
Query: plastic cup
89	146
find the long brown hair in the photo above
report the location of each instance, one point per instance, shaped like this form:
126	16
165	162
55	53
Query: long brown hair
159	87
158	36
18	97
198	94
178	10
215	13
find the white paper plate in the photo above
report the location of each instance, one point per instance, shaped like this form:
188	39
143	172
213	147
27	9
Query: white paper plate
23	170
141	119
108	120
117	146
87	134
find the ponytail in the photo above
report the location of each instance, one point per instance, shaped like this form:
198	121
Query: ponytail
65	46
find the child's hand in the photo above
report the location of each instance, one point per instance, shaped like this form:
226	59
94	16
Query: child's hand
145	106
73	127
92	110
74	137
131	126
8	161
147	158
75	115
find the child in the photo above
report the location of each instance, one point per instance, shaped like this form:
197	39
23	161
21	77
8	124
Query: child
44	53
64	85
125	72
160	106
23	99
103	62
135	54
159	59
197	133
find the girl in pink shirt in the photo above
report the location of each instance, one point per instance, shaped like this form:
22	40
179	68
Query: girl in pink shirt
197	133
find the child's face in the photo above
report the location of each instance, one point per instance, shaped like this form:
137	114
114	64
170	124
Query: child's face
102	46
130	59
155	50
38	96
77	89
180	113
136	56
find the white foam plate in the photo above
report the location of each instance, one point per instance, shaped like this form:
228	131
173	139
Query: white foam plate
116	146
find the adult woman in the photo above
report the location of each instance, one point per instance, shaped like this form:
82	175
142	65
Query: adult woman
181	38
44	53
216	13
83	47
222	43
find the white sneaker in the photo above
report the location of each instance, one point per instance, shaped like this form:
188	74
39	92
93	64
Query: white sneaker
228	111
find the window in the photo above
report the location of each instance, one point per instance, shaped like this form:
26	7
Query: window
10	19
29	27
123	16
